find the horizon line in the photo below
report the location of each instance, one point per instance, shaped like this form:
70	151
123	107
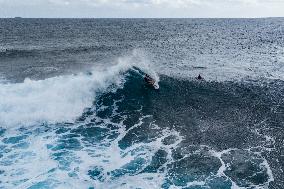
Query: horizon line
19	17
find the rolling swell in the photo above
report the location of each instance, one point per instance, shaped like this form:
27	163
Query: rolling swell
32	52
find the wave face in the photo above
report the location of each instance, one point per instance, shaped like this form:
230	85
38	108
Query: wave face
188	134
73	115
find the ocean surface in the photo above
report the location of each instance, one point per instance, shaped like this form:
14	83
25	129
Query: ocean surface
75	111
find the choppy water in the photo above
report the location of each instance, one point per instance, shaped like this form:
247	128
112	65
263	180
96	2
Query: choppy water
76	113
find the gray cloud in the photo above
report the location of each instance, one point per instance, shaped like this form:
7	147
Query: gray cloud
141	8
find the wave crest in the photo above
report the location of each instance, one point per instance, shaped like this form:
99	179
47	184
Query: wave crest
55	99
62	98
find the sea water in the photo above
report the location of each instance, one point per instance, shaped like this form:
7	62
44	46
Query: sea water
75	111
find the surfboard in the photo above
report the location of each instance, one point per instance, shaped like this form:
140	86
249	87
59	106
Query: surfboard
156	85
140	72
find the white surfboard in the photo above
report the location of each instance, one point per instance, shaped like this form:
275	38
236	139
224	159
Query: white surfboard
156	85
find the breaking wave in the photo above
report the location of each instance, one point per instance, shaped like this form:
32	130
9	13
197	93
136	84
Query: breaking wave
107	129
62	98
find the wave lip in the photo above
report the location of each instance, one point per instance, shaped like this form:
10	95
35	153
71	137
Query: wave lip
57	99
63	98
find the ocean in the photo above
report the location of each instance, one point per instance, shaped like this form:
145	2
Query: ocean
75	111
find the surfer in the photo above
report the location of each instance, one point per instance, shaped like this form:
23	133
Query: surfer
199	77
149	80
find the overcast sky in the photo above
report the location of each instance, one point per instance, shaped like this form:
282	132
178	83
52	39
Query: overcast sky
141	8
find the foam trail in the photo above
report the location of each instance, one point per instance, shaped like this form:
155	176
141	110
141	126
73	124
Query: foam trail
57	99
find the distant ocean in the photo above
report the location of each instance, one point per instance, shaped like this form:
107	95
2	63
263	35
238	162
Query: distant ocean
75	111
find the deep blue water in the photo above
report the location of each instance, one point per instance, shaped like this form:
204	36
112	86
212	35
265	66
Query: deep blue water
75	111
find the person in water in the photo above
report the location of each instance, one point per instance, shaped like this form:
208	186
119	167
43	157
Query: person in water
149	80
199	77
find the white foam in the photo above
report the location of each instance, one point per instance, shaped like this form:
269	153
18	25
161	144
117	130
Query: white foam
63	98
111	158
32	162
224	167
153	181
57	99
196	183
265	164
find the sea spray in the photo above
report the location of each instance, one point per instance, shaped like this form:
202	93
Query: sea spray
58	99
